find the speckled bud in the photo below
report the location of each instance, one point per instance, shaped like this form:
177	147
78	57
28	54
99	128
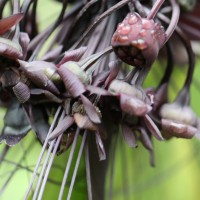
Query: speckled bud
137	40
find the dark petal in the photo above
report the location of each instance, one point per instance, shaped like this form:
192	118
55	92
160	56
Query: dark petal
100	147
90	110
22	92
16	125
129	136
45	96
62	126
83	122
39	121
10	49
8	22
52	55
65	142
97	90
153	128
74	55
36	74
147	143
145	139
178	129
72	83
133	106
100	78
24	42
9	78
114	70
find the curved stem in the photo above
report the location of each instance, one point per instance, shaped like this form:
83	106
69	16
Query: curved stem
170	65
155	9
58	21
100	18
174	19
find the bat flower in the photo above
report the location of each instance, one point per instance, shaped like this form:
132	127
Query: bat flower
178	121
138	40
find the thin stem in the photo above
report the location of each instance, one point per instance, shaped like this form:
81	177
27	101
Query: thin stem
155	9
174	19
88	175
170	65
99	19
43	170
58	21
112	170
49	168
77	165
2	5
45	163
191	56
68	164
41	154
3	153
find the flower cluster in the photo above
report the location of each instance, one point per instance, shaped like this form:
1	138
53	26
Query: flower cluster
85	84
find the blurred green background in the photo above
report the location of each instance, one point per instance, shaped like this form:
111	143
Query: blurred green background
176	175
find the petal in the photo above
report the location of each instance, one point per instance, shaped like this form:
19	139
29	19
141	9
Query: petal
100	147
8	22
72	83
52	55
133	106
10	49
97	90
74	55
44	96
62	126
90	110
83	122
178	129
153	128
129	136
16	125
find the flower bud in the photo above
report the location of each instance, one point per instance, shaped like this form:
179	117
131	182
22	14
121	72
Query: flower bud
178	113
118	86
76	69
178	121
137	40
